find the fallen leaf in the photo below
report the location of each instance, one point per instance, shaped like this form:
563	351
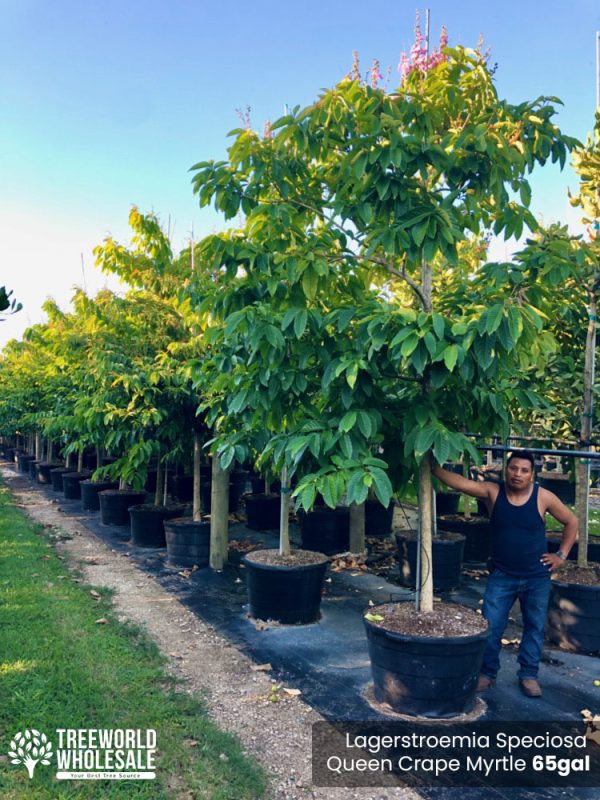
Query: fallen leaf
373	617
261	667
45	558
102	621
292	692
95	594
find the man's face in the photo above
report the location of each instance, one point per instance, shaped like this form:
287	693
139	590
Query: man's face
519	473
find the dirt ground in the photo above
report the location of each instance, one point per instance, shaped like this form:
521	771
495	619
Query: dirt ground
238	695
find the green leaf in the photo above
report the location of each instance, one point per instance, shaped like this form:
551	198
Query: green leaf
348	421
494	317
364	423
450	356
382	485
379	618
438	325
309	283
300	322
409	344
424	440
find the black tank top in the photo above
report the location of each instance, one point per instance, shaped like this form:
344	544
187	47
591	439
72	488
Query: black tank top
518	536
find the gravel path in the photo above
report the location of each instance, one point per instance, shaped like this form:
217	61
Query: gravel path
277	734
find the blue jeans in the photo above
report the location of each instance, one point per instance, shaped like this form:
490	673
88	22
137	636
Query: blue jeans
533	594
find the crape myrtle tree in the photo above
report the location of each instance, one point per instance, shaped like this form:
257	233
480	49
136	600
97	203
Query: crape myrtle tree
387	185
125	396
572	267
161	396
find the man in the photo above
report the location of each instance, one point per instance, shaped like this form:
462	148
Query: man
520	564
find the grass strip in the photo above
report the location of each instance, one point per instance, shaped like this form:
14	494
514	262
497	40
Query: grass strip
60	669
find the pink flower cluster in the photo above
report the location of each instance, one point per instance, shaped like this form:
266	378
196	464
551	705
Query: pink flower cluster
419	59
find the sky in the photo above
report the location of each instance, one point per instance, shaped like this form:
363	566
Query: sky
108	104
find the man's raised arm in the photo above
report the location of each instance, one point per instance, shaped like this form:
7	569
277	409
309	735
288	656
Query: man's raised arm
461	484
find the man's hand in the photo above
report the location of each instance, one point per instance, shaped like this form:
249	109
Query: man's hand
552	561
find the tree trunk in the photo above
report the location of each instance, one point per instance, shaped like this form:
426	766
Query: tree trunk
196	510
50	451
80	461
426	508
357	528
582	469
219	514
38	446
284	515
160	477
425	578
68	461
98	456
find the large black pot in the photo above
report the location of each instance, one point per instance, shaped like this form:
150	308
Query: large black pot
238	480
478	533
23	460
263	511
71	484
446	502
9	454
290	595
56	476
43	470
90	490
447	556
188	542
426	676
33	465
573	620
325	530
147	523
553	543
115	503
562	488
378	518
183	487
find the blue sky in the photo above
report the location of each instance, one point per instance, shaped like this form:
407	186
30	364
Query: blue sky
106	105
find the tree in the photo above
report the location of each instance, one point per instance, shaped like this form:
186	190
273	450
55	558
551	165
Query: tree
383	188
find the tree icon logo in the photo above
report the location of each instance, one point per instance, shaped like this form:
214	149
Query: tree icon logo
29	748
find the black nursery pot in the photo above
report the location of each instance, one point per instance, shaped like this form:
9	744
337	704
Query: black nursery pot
447	556
44	468
476	530
263	511
115	503
553	543
325	530
425	676
56	476
90	490
446	502
183	487
23	460
188	542
378	518
573	620
563	489
33	465
71	484
287	594
147	524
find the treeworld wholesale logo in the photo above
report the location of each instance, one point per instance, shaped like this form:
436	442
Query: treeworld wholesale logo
30	748
89	754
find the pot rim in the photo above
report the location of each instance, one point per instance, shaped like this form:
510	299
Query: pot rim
414	638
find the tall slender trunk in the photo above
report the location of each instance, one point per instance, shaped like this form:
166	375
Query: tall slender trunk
357	527
38	446
582	469
219	514
160	476
284	515
196	509
426	506
80	461
98	456
31	445
68	460
50	454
